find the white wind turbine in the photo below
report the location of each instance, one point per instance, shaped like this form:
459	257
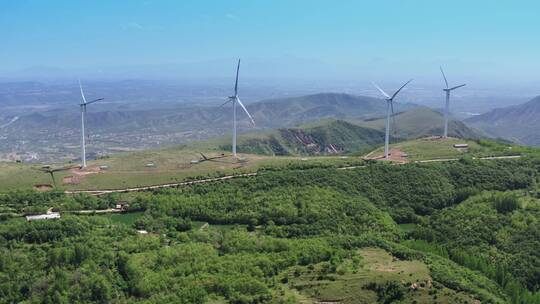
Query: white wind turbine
389	109
235	99
447	108
83	105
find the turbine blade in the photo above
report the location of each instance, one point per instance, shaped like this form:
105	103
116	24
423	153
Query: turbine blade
457	87
395	94
236	82
381	90
226	102
245	110
82	93
95	100
444	76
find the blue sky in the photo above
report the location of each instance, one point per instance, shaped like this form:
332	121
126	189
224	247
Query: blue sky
495	39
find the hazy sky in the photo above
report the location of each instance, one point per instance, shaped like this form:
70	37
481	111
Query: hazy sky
494	39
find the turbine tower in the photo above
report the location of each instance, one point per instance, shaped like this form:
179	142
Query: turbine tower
447	108
234	100
83	105
389	109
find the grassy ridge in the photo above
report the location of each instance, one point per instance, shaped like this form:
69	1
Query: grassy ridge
422	122
329	137
173	165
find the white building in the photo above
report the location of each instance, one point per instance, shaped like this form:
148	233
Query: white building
48	216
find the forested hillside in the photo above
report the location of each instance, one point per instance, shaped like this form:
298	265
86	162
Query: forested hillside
382	233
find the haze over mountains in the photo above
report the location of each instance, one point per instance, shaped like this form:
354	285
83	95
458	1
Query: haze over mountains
519	123
18	97
41	121
271	113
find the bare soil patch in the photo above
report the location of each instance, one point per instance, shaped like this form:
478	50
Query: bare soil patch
79	174
395	155
43	187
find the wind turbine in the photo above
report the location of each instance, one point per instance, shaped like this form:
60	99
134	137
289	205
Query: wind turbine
389	109
447	108
234	100
83	105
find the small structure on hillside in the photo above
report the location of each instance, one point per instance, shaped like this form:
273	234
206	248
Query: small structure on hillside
47	216
121	205
461	146
142	232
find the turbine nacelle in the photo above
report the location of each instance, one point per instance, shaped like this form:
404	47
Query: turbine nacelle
448	88
453	88
388	97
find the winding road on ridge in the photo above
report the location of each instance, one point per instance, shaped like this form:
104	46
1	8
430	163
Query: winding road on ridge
208	180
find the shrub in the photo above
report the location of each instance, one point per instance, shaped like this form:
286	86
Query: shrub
464	193
505	202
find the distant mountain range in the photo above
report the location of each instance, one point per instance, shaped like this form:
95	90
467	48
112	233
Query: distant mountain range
519	123
273	113
313	124
284	112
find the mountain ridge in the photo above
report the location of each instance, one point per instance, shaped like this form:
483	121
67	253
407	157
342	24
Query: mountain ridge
518	123
342	136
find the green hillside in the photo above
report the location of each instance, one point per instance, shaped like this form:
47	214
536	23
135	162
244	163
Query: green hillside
456	232
440	149
329	136
288	112
422	122
324	141
324	138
